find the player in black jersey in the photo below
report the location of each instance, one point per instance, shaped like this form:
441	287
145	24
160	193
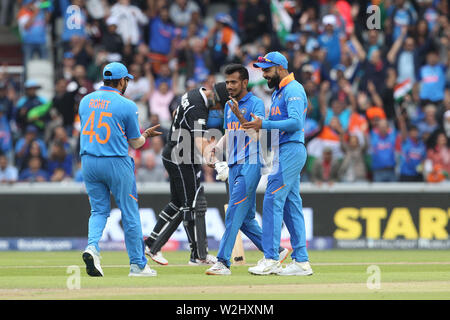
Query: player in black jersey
182	158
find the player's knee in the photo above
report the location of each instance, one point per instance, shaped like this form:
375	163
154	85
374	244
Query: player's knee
101	212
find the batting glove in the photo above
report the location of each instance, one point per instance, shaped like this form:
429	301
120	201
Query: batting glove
222	170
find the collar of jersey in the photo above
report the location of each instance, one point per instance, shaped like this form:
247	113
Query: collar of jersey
245	98
202	93
286	80
106	88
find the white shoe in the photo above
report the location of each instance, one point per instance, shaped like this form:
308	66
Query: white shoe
210	260
91	258
135	271
297	269
265	267
283	255
218	269
158	257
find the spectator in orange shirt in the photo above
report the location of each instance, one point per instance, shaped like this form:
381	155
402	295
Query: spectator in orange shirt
439	155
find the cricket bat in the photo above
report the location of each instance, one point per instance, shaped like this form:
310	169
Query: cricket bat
238	254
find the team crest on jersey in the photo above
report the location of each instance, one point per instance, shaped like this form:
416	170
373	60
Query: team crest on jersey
244	111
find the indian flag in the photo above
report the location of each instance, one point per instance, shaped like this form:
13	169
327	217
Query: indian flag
280	19
402	89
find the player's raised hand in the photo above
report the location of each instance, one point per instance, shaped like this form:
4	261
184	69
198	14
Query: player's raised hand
234	106
256	124
151	132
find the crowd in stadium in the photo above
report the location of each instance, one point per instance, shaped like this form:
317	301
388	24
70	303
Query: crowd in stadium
379	95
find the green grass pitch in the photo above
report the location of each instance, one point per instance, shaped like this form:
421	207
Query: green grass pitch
339	274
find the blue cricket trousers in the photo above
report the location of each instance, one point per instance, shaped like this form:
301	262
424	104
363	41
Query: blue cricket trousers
282	201
243	181
106	175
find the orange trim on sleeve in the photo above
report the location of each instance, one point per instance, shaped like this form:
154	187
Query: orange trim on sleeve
279	188
248	143
122	130
241	201
133	197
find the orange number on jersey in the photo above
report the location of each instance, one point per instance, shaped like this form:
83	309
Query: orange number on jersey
101	124
104	124
91	132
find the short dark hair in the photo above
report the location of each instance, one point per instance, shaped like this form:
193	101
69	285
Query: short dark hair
236	67
111	83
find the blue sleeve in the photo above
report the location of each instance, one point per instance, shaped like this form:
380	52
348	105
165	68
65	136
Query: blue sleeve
132	130
42	100
19	145
68	164
419	78
259	109
23	175
225	113
295	107
43	148
21	102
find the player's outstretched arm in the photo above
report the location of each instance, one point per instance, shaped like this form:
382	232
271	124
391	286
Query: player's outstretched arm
216	149
234	106
150	132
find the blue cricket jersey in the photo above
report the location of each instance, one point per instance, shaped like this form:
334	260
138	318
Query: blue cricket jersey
382	150
108	121
240	146
288	111
432	85
413	153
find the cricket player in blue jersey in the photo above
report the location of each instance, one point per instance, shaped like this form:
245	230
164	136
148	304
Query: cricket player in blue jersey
282	199
109	124
243	156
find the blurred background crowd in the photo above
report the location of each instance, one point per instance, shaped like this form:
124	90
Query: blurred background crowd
377	78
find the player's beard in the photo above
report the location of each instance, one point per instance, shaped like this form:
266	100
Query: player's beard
236	94
124	89
274	81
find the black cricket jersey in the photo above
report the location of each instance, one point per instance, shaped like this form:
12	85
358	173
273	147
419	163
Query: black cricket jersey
189	122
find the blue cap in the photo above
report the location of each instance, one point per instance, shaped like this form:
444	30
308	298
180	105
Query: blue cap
271	59
31	129
340	67
31	84
68	55
292	37
115	71
224	18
